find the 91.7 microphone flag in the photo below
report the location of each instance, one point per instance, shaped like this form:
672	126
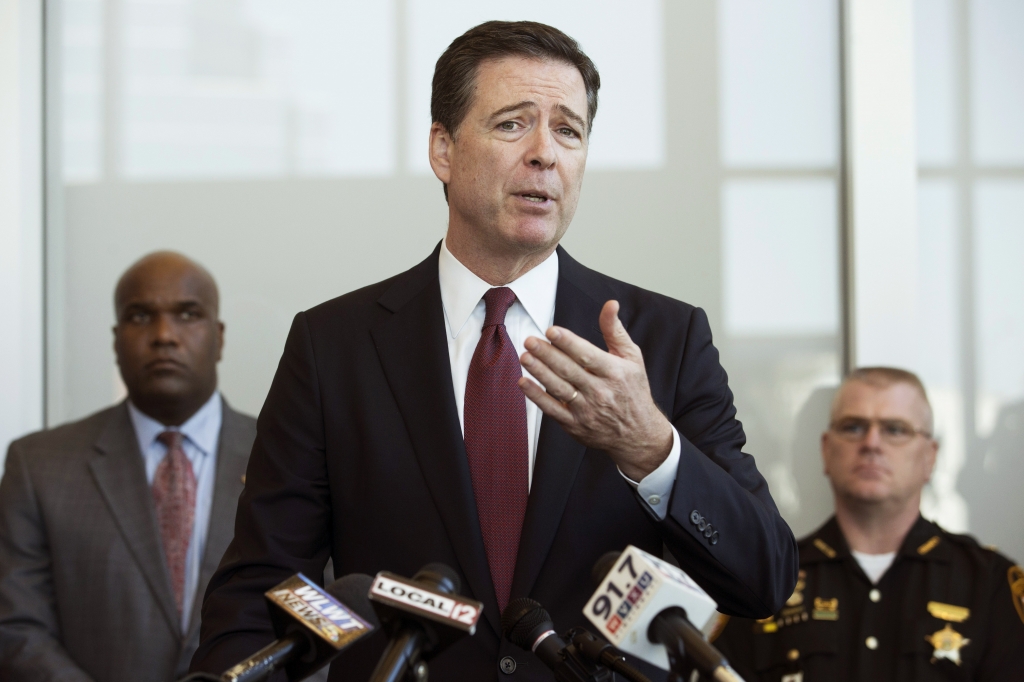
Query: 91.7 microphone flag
638	587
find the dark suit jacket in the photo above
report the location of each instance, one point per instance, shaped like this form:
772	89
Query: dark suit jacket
359	455
84	589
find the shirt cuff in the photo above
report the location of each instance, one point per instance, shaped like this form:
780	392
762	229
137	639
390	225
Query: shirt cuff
656	487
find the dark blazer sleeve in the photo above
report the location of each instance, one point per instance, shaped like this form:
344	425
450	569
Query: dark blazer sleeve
283	522
749	564
30	647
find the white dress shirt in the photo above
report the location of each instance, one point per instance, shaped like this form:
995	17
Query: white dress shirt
532	312
201	435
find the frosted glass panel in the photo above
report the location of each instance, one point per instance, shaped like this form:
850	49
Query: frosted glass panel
623	39
992	479
939	275
82	89
938	360
779	65
997	70
999	292
934	80
780	257
256	88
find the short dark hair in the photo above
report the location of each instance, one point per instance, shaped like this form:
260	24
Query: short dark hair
455	72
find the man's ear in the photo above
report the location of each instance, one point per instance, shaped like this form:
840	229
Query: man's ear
441	151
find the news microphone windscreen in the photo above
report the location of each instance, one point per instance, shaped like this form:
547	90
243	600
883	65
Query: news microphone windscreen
603	566
352	590
441	574
638	588
523	621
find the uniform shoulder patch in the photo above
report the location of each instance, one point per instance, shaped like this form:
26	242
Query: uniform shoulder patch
824	548
929	545
1016	577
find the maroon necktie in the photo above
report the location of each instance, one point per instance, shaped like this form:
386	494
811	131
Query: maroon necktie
495	431
174	495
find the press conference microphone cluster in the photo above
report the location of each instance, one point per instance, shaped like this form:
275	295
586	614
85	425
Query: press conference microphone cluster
528	625
648	608
313	625
422	616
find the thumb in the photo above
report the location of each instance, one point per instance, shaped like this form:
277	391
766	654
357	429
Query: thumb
615	335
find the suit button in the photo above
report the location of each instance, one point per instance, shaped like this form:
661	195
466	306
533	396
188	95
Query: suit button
714	538
708	531
871	643
695	517
875	595
702	526
507	665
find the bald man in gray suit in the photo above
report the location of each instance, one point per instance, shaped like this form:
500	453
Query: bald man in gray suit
111	527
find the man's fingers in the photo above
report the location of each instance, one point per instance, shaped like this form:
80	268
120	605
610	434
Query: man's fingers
548	405
550	377
561	363
615	334
580	351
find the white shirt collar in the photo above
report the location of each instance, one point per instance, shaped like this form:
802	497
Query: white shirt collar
202	428
461	290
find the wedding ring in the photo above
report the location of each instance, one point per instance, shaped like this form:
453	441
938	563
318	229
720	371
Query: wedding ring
574	394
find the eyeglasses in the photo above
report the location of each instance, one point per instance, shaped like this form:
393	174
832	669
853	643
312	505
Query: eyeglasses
892	431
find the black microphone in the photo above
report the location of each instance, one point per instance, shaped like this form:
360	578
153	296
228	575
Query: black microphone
423	616
684	642
603	653
528	625
312	624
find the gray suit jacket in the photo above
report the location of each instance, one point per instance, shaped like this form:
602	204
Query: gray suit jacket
84	590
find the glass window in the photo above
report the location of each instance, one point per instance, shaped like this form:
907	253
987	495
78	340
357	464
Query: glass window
779	83
996	64
971	312
283	145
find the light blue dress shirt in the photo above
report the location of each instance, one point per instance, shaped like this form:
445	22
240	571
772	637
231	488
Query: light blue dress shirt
201	435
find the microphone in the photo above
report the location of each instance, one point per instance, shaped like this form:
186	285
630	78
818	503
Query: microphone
423	616
528	625
647	607
313	625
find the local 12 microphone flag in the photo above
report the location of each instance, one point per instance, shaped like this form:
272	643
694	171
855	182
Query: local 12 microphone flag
638	587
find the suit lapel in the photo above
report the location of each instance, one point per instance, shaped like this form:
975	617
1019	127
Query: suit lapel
120	474
413	352
233	447
558	455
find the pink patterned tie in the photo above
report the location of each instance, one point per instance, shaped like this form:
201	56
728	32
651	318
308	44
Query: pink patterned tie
174	494
495	432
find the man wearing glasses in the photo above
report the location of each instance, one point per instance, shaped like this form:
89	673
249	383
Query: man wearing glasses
882	593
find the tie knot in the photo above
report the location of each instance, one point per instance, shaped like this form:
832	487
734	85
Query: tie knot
498	301
172	439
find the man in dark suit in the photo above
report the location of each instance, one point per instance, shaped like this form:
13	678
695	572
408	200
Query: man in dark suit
396	431
111	527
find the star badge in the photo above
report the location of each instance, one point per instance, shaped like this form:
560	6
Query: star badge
947	643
